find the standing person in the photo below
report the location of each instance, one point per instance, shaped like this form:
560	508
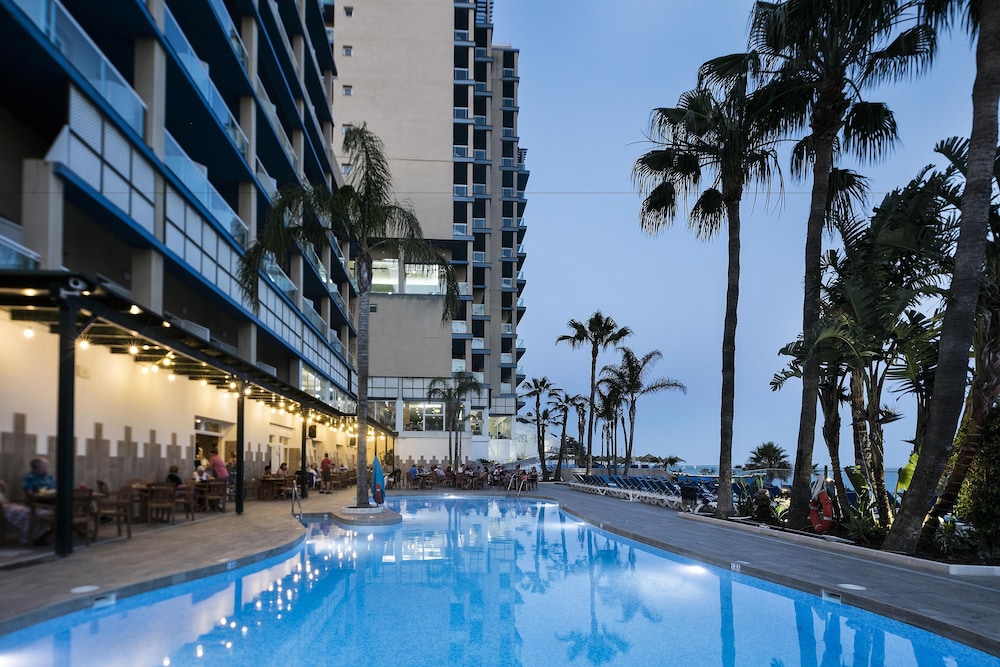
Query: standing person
326	468
219	470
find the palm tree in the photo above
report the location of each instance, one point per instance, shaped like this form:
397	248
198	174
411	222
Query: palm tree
561	403
732	137
599	332
769	456
630	383
364	214
671	461
821	56
453	392
983	20
537	389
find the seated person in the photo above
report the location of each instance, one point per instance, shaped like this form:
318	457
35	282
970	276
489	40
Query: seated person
200	475
267	471
18	515
173	477
282	470
38	479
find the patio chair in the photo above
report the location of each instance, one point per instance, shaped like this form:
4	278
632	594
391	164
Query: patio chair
218	492
117	507
161	502
186	498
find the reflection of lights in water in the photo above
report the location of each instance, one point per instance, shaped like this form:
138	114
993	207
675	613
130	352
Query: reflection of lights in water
199	651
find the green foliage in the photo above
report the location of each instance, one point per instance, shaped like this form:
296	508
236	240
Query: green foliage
980	495
861	524
953	539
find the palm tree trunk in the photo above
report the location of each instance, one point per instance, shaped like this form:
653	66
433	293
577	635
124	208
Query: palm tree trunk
364	269
798	511
829	399
562	447
590	409
724	508
959	316
859	426
630	438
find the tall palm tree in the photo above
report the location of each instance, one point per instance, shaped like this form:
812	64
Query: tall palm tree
365	214
731	137
453	391
537	389
630	382
561	404
599	332
982	18
822	55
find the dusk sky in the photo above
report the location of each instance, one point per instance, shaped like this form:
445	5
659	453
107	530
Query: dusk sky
590	75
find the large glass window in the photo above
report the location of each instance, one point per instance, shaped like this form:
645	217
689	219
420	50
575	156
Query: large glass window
383	412
423	279
500	427
385	276
476	422
423	416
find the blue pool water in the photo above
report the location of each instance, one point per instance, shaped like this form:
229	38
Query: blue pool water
479	581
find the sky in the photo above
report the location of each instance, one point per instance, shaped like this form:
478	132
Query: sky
590	74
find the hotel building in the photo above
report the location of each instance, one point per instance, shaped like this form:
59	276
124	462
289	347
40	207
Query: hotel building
426	77
141	143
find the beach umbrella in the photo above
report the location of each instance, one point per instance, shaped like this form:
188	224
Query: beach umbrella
378	482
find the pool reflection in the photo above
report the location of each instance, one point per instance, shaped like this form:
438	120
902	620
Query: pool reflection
480	581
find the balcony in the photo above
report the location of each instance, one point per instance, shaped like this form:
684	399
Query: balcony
479	154
278	277
507	283
459	229
478	343
231	32
478	256
461	74
267	183
460	113
458	365
506	253
271	112
507	328
479	223
197	69
460	190
506	358
462	36
478	188
460	151
478	310
310	254
459	327
16	256
192	175
66	35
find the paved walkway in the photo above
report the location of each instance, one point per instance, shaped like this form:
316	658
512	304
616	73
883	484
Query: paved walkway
964	608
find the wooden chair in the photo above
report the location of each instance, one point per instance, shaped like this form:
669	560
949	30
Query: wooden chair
117	507
186	498
161	502
216	495
287	487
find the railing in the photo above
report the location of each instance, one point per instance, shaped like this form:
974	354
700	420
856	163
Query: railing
463	288
458	365
198	71
507	101
479	154
16	256
459	327
479	223
284	37
461	73
278	277
66	35
506	252
479	120
507	192
460	190
459	229
478	344
269	185
235	41
460	151
507	282
509	72
461	35
506	358
478	309
310	253
478	188
271	112
478	256
315	319
506	328
460	112
188	171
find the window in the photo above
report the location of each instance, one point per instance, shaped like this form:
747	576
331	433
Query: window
345	169
348	11
385	276
383	412
347	127
423	416
423	279
348	50
348	91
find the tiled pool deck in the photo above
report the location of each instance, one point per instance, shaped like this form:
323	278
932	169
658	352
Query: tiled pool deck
962	607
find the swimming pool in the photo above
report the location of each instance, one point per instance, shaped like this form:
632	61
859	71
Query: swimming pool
479	581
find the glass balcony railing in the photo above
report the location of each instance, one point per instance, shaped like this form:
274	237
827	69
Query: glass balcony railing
198	71
479	154
506	358
235	41
459	229
193	176
461	73
460	112
506	388
272	115
314	318
507	328
478	344
479	223
480	377
459	327
284	36
16	256
478	309
278	277
66	35
337	299
463	288
460	190
269	185
520	343
478	256
460	151
507	282
310	253
458	365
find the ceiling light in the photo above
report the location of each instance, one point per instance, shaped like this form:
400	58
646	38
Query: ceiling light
134	310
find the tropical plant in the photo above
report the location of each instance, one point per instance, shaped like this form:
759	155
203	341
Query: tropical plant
822	55
671	461
980	497
538	388
982	19
561	404
629	379
731	136
769	456
453	392
598	332
365	214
